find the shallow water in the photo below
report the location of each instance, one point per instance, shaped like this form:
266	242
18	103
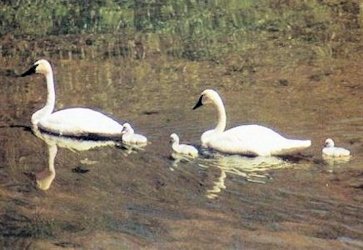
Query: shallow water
145	199
111	198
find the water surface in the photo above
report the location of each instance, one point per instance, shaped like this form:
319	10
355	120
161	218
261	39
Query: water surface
110	198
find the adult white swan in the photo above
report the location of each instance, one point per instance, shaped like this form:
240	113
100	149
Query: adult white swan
246	139
73	122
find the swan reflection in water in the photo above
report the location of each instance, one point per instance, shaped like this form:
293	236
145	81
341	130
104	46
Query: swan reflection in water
45	178
251	169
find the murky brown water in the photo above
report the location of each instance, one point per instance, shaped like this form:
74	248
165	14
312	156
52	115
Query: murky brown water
147	200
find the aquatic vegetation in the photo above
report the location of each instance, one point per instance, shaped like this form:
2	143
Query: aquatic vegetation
197	30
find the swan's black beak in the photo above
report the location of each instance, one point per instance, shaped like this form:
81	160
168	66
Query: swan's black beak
199	103
30	71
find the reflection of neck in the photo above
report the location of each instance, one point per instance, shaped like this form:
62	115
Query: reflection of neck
218	186
44	182
52	150
221	125
49	106
175	144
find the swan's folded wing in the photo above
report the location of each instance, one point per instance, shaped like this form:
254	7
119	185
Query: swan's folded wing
240	140
78	121
336	152
255	140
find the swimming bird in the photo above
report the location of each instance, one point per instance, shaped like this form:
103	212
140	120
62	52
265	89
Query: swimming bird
182	149
330	150
73	122
129	137
254	140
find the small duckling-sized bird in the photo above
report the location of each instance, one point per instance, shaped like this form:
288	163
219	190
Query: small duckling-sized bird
182	149
130	138
330	150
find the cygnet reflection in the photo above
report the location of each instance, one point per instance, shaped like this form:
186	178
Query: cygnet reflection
177	159
335	161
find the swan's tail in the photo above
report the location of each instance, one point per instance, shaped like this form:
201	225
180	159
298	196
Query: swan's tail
294	146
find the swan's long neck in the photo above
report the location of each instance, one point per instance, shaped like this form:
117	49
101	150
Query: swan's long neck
49	106
221	124
222	119
51	93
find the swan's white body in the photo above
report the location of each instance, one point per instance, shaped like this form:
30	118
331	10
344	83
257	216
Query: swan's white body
246	139
82	122
182	149
252	140
129	136
330	150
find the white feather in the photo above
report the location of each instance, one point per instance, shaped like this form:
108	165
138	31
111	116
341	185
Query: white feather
182	149
129	136
330	150
245	139
73	121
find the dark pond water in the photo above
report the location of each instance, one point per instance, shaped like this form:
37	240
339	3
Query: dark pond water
145	199
111	198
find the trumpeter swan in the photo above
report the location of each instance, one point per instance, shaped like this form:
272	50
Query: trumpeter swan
330	150
129	136
182	149
75	122
246	139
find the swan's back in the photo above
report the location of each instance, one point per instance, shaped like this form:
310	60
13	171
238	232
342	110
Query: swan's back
255	140
134	139
335	152
80	121
185	149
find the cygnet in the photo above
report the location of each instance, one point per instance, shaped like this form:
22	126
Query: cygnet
330	150
182	149
129	137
